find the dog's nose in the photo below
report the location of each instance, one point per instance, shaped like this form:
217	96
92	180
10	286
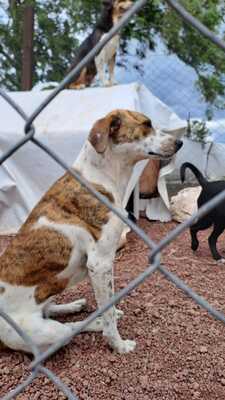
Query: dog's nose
178	144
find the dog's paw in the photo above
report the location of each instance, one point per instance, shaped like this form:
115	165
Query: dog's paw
119	313
194	246
125	346
80	304
110	83
221	261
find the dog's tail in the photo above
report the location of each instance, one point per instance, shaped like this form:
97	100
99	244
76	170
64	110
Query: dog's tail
202	181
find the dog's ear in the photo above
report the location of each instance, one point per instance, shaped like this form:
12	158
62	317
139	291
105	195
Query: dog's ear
102	130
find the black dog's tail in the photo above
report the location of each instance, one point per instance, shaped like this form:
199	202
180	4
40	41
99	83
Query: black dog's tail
202	181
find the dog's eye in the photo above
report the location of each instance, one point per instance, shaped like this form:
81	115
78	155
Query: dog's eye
115	125
148	124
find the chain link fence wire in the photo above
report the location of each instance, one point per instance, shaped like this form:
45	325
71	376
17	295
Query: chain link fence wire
186	73
36	366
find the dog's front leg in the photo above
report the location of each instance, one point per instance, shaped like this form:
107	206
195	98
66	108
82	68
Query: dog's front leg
100	272
100	65
111	70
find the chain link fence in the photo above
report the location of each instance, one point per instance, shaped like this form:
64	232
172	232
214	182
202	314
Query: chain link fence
36	366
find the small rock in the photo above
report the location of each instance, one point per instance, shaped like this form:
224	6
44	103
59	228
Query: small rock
172	303
196	395
112	359
192	312
149	305
137	311
155	331
156	314
66	381
195	385
6	371
203	349
104	371
144	381
112	375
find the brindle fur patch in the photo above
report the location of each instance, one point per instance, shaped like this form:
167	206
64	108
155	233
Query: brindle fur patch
37	256
49	288
67	202
134	126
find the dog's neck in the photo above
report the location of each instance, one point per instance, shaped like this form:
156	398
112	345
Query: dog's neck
108	169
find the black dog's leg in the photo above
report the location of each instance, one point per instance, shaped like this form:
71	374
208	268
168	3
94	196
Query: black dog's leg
194	239
213	239
130	203
199	226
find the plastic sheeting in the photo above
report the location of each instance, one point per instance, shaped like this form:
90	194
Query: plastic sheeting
209	158
63	126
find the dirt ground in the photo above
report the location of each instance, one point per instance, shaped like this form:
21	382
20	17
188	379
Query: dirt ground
180	351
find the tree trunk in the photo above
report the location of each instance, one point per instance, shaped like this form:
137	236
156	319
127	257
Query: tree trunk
27	48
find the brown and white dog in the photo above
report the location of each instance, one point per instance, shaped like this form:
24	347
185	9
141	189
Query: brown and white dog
70	235
106	59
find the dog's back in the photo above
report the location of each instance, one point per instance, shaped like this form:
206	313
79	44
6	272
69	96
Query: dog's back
215	218
209	189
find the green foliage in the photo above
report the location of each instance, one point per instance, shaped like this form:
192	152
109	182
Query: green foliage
197	131
59	25
10	47
54	40
195	50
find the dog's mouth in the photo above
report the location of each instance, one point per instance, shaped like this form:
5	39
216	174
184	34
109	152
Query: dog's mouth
178	145
158	155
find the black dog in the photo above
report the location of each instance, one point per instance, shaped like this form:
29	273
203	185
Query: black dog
216	217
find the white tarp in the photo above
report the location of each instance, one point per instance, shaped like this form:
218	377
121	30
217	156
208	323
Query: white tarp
209	158
64	126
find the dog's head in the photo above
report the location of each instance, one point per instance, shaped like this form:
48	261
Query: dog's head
119	8
131	135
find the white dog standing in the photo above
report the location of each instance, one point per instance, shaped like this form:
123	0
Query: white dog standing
70	235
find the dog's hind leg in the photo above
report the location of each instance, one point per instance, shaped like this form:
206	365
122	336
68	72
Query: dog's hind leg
218	229
54	310
199	226
43	332
194	239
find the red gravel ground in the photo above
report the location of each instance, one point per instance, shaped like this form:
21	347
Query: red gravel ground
180	351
